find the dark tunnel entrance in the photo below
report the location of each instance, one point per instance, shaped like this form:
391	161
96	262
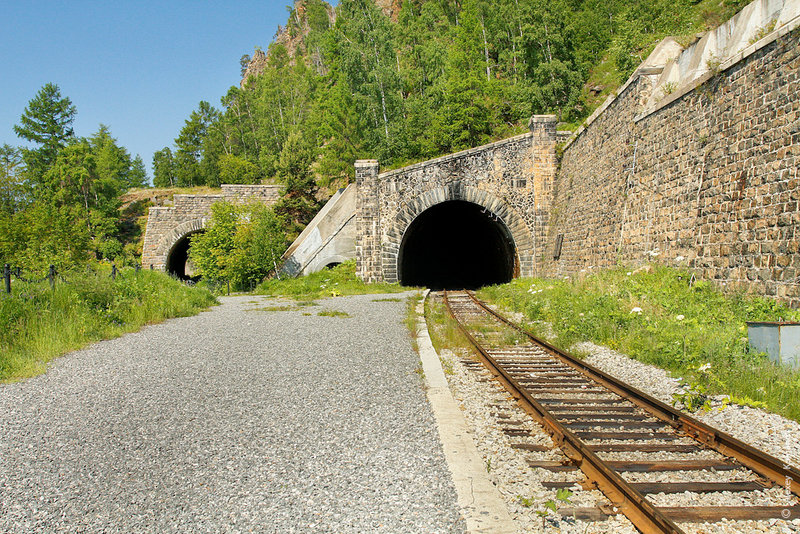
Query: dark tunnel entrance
178	263
456	245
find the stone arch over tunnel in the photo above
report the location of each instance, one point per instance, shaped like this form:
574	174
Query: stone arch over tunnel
457	245
178	263
174	247
516	245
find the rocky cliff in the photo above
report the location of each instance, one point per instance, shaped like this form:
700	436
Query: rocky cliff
292	36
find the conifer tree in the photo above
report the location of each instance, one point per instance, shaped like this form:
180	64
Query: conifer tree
46	121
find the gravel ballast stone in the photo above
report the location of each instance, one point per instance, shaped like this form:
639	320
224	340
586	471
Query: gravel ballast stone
235	420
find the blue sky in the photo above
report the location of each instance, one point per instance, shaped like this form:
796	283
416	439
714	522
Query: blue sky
139	67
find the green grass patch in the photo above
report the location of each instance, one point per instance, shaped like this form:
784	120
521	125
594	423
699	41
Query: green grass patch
662	316
387	300
38	324
443	329
281	308
333	313
338	281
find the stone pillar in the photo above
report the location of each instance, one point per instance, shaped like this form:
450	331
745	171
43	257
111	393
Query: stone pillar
545	165
368	222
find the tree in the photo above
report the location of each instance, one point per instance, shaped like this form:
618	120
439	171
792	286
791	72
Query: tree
211	251
242	244
137	177
236	170
11	182
298	204
190	144
164	168
46	121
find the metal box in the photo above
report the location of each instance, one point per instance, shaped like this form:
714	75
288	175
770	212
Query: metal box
780	340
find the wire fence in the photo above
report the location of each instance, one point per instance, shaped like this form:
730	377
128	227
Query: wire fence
52	276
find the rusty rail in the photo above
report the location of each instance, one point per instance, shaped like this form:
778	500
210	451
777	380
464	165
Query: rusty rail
624	497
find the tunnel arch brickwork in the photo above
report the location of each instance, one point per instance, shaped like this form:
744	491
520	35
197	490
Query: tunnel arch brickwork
190	213
510	178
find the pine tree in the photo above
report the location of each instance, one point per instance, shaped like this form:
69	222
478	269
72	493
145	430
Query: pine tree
46	121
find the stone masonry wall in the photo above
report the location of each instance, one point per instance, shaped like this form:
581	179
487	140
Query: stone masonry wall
511	178
189	213
708	181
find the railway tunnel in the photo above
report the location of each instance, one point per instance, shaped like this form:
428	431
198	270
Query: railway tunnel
456	245
178	263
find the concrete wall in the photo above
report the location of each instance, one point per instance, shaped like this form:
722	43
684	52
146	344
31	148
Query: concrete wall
190	213
328	238
694	163
510	178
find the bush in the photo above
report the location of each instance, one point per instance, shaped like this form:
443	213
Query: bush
243	244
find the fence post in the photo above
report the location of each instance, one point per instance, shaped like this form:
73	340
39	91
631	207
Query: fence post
113	271
7	277
229	288
51	275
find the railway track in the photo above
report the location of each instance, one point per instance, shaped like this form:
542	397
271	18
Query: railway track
614	433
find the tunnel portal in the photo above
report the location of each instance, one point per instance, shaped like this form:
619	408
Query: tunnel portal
456	245
178	263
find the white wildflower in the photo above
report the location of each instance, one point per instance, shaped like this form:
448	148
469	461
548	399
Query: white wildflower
679	259
629	273
679	317
636	309
704	367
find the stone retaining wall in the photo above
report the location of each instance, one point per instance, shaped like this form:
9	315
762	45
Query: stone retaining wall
707	179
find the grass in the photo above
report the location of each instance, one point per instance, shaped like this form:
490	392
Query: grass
333	313
443	328
410	319
338	281
662	316
38	324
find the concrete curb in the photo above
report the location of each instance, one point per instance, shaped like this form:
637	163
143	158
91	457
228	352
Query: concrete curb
480	501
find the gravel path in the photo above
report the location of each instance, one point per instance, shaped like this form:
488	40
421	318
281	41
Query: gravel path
236	420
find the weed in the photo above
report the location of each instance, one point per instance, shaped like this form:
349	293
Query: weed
763	31
386	300
284	307
489	465
552	505
669	88
333	313
527	502
447	366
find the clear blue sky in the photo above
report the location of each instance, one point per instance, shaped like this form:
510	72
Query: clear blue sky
139	67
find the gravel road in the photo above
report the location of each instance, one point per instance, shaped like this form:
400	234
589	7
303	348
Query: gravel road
236	420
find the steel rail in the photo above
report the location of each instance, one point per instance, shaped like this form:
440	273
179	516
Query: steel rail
630	502
762	463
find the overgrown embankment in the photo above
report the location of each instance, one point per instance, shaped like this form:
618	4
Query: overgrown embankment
336	282
38	323
663	317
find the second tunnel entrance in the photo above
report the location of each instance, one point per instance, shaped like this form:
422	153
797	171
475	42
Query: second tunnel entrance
456	245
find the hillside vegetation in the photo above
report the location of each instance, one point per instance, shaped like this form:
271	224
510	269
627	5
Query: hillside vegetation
424	79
